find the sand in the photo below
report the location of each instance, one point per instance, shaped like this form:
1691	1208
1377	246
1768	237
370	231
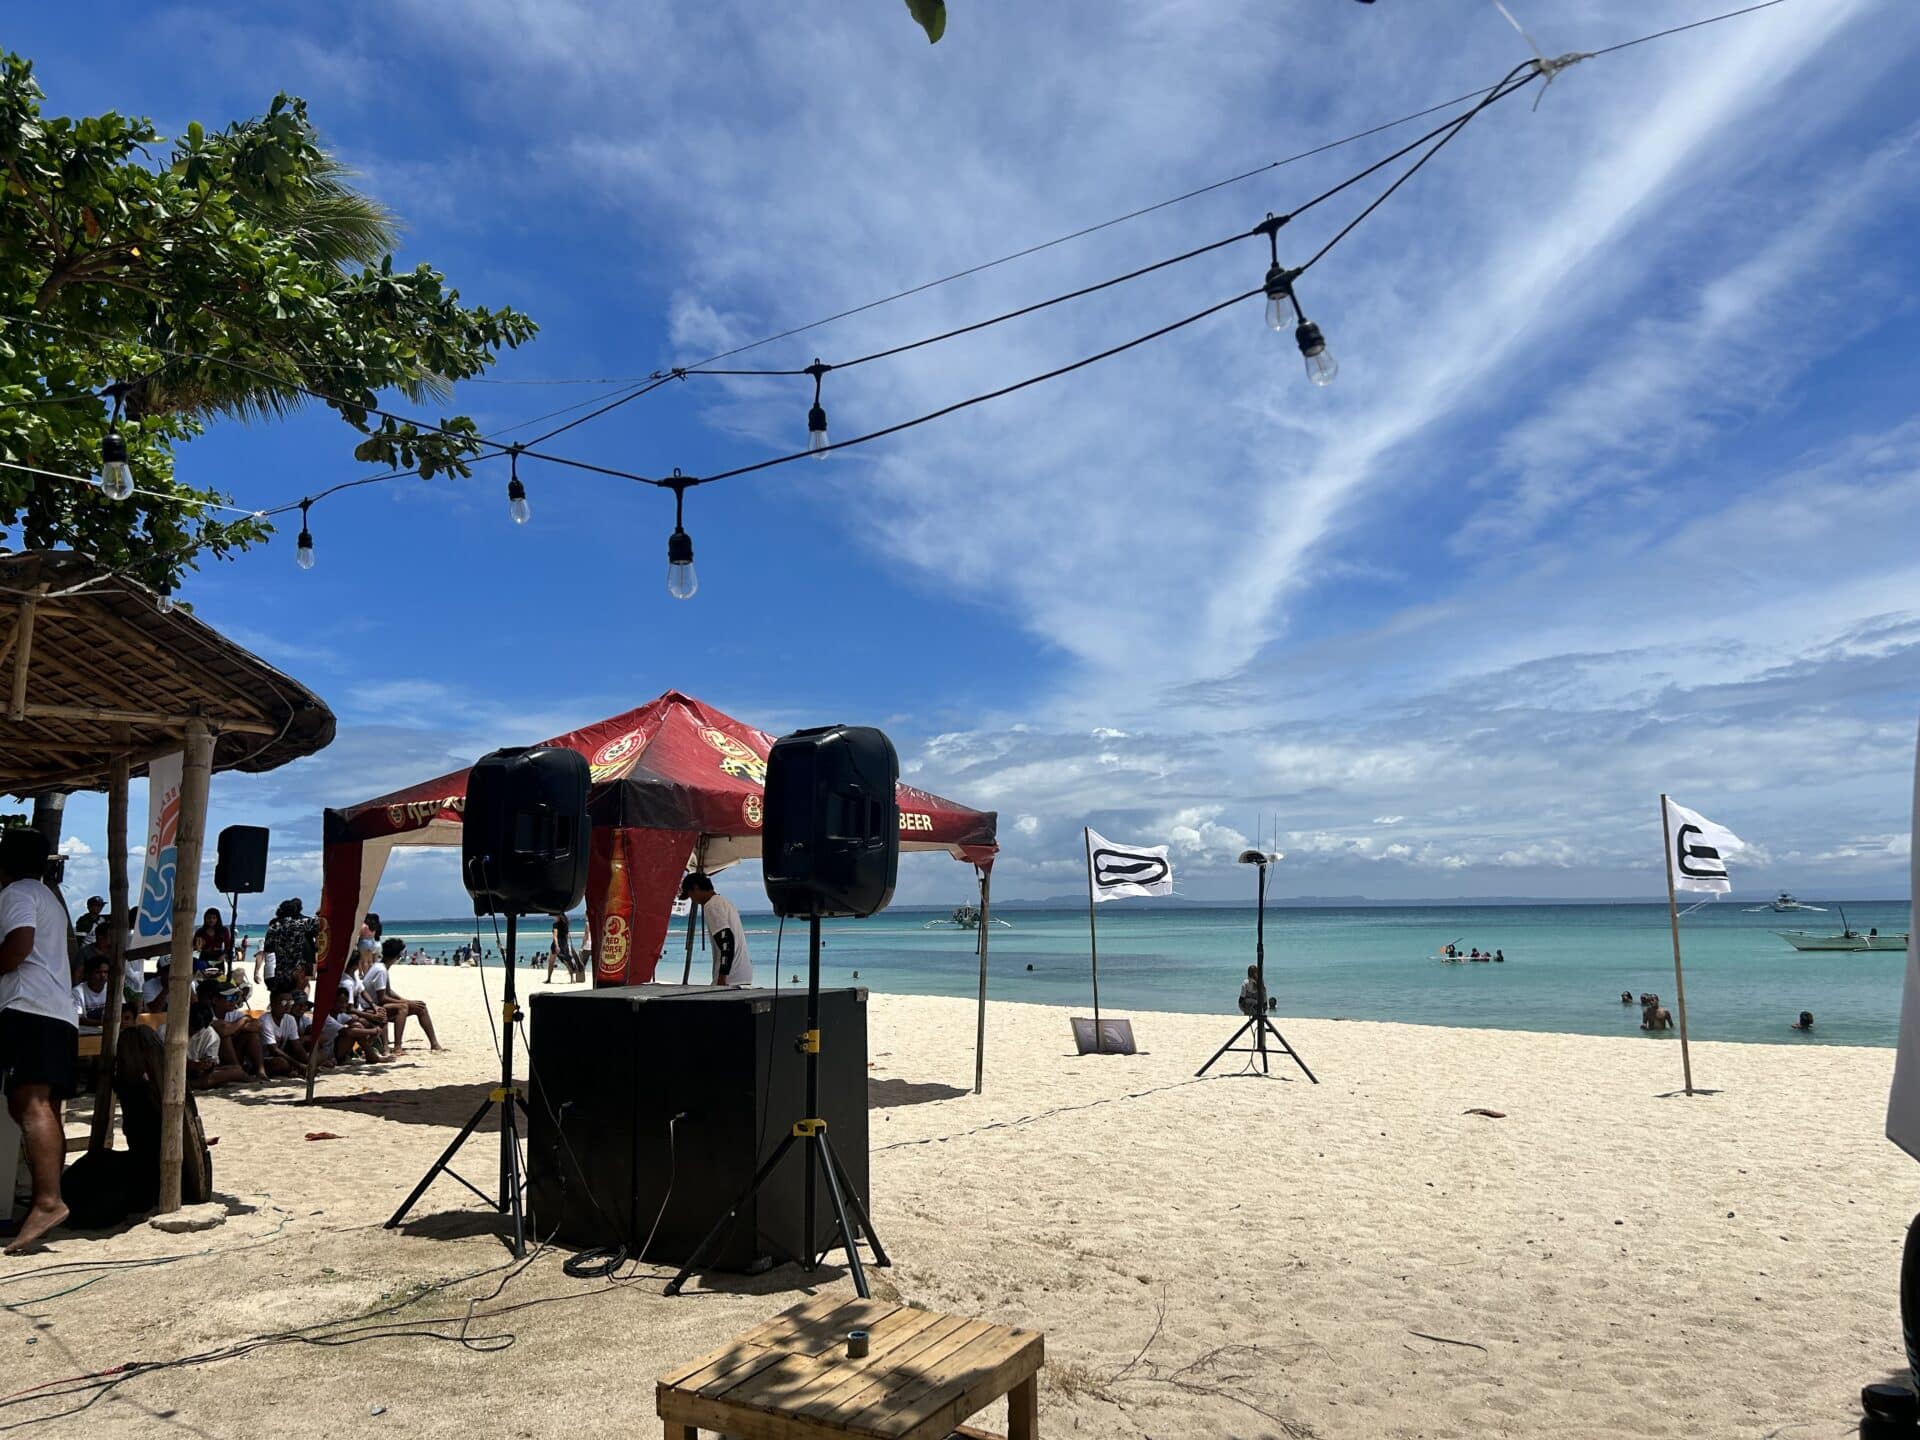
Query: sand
1233	1257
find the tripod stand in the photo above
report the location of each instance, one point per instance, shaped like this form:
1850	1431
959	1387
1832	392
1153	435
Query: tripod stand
512	1105
811	1134
1258	1023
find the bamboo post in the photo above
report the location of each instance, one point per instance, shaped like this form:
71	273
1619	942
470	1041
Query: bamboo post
1673	918
23	660
1093	944
102	1136
195	770
980	1023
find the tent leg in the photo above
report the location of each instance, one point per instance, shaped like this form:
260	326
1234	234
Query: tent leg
980	1021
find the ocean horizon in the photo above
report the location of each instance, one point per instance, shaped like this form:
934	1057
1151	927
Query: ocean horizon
1565	969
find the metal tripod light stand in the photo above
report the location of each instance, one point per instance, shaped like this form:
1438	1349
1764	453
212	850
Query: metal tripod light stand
513	1104
821	1163
1258	1023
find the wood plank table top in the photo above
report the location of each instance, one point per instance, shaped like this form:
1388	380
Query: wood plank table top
791	1378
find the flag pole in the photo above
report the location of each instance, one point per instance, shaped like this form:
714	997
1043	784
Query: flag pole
1093	942
1673	918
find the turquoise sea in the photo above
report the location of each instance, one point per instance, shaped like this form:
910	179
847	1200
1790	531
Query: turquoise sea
1566	964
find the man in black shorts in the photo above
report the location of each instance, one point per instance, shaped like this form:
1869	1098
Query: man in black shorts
38	1034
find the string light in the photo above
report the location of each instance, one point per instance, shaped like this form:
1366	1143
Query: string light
516	492
1283	308
116	476
681	581
164	602
817	441
303	551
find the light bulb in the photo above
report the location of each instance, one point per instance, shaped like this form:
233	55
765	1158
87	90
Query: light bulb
116	476
1279	299
681	581
164	603
303	554
517	505
1321	366
817	441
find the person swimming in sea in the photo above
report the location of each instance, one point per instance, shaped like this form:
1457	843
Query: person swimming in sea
1805	1022
1626	997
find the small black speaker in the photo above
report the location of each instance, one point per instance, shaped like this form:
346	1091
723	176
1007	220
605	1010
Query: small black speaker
241	868
523	837
830	842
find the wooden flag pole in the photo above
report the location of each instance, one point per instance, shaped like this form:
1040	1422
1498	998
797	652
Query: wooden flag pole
1093	943
1673	918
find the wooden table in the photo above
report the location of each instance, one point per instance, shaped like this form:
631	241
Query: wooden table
791	1378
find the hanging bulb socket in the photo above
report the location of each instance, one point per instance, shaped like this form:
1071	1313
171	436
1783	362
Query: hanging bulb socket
817	441
1321	366
681	581
517	505
116	476
164	602
303	549
1282	309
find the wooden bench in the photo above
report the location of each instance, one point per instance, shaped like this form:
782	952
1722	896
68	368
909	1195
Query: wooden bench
924	1374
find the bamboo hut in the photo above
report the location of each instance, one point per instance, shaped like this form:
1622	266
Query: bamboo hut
96	682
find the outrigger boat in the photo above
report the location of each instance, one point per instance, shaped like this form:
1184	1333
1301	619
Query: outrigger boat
1782	903
966	917
1848	938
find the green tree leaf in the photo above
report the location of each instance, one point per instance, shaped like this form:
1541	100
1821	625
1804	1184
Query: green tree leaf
930	16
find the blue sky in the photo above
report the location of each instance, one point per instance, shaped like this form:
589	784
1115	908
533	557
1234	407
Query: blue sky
1616	490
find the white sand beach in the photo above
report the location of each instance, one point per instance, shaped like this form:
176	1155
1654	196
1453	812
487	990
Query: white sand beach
1233	1257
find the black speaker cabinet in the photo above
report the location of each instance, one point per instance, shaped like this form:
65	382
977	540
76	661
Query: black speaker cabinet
830	842
613	1067
241	866
524	834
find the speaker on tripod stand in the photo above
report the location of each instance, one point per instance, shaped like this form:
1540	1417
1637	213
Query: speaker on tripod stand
830	846
1261	1027
523	851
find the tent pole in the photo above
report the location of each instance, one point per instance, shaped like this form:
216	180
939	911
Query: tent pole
980	1023
699	863
102	1136
1093	943
1673	918
194	772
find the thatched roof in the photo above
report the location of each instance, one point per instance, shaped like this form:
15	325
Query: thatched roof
90	669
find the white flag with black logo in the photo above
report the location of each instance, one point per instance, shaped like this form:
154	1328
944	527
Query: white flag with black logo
1697	851
1118	871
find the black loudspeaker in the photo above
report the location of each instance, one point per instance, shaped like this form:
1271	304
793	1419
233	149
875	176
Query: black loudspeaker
242	865
612	1069
524	833
830	843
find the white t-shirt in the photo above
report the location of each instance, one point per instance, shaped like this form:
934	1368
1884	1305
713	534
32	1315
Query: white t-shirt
374	980
267	963
727	941
154	987
278	1032
41	983
203	1045
89	1002
329	1032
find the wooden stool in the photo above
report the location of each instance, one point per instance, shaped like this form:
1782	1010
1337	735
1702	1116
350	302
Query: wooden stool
924	1373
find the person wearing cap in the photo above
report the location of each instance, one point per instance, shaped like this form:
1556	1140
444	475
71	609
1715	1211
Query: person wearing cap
39	1033
726	935
96	912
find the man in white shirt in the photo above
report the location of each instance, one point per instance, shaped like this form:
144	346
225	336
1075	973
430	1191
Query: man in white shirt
39	1040
90	995
281	1031
726	936
377	988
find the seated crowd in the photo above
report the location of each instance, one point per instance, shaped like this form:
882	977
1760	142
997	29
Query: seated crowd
231	1040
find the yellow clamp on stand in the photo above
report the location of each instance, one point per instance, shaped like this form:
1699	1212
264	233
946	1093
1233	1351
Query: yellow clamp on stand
509	1012
809	1042
500	1094
803	1128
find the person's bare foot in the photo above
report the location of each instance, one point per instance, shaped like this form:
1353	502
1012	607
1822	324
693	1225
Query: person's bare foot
34	1228
438	1049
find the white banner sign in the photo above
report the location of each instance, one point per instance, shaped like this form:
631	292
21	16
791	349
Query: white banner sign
1118	871
154	923
1697	851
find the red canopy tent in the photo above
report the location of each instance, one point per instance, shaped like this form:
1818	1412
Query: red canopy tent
674	781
